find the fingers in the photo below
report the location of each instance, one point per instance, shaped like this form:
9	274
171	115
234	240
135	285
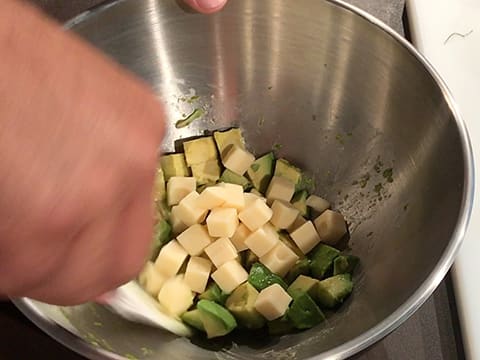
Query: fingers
206	6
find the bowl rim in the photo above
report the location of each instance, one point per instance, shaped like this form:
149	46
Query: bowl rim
404	311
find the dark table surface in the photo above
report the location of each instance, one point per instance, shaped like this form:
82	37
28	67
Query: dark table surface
431	333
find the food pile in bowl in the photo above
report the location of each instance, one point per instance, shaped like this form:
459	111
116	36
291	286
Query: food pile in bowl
242	242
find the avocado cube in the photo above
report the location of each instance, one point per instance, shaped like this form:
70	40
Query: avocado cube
159	190
302	267
193	319
332	291
214	293
248	259
303	284
322	260
200	150
216	320
207	172
228	138
299	201
304	313
345	264
241	303
284	169
162	232
230	177
280	326
260	277
174	165
261	172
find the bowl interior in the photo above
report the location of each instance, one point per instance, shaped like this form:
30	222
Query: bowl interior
336	95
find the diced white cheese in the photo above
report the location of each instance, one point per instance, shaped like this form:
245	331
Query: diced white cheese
175	296
238	160
178	187
229	276
280	259
262	240
317	203
211	197
188	212
255	215
177	225
195	239
151	279
299	221
272	302
221	251
284	214
197	273
171	258
251	197
306	237
280	188
233	196
331	226
222	222
256	192
238	239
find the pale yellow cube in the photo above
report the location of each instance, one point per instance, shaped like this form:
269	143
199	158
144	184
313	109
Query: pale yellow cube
178	187
280	188
238	160
238	239
211	197
272	302
177	225
151	279
221	251
171	258
229	276
175	296
188	212
284	214
317	203
198	273
195	239
233	196
280	259
306	237
331	226
255	215
222	222
251	197
262	240
299	221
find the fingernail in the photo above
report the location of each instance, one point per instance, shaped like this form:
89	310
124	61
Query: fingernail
104	298
210	4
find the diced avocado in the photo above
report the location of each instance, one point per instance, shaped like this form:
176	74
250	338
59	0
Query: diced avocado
225	139
284	169
303	284
174	165
280	326
216	320
303	312
299	201
207	172
229	176
159	185
261	172
200	150
248	259
162	232
214	293
241	303
345	264
285	238
260	277
322	259
193	319
302	267
332	291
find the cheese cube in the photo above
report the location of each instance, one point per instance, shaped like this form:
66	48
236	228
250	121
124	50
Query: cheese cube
178	187
256	192
211	197
221	251
306	237
280	188
229	276
170	258
151	279
177	225
222	222
175	296
238	239
195	239
262	240
188	212
284	214
299	221
255	215
251	197
272	302
280	259
317	203
233	196
331	226
238	160
197	273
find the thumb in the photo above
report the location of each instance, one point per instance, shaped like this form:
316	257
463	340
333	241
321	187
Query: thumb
206	6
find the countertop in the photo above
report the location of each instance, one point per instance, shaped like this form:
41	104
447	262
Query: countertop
431	333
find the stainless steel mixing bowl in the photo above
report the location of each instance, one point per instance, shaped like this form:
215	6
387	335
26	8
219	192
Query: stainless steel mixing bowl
337	93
